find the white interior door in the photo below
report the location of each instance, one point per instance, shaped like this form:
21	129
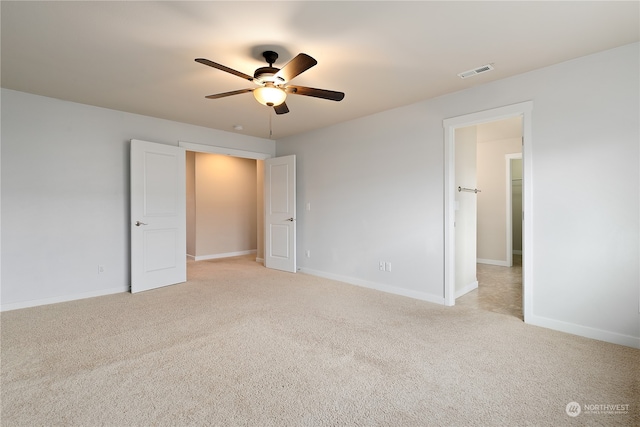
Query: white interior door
280	213
158	215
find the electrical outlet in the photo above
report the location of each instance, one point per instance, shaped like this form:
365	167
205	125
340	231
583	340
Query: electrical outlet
381	265
100	269
387	266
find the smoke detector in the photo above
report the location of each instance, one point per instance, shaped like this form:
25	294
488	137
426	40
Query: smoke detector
475	71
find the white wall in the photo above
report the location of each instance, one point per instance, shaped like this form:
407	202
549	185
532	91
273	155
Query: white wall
65	192
466	210
375	185
492	202
375	190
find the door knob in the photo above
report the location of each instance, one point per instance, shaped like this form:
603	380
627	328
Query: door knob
290	219
138	223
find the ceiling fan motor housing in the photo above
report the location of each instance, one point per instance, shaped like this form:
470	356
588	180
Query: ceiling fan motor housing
265	73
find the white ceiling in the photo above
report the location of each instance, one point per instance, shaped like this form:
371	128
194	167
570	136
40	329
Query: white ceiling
501	129
139	56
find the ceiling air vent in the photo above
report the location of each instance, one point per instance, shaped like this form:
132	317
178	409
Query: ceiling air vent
475	71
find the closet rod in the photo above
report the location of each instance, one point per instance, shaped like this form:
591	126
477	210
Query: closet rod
469	190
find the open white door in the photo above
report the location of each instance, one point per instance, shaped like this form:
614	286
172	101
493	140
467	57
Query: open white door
280	213
158	215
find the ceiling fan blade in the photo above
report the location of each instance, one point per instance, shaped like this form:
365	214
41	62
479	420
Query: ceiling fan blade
223	68
222	95
281	109
317	93
295	67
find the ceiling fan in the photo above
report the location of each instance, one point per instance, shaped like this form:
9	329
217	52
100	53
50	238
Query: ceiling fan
273	82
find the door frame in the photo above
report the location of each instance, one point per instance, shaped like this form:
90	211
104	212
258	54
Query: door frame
509	213
214	149
523	109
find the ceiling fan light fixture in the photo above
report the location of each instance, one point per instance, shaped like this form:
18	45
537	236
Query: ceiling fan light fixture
269	95
270	80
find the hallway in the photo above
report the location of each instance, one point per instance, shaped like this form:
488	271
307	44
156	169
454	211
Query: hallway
499	289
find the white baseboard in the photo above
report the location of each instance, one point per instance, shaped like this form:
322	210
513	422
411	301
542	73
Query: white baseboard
584	331
65	298
501	263
470	287
225	255
376	286
260	260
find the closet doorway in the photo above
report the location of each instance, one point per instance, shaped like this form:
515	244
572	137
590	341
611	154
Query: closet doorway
487	155
225	203
222	206
480	265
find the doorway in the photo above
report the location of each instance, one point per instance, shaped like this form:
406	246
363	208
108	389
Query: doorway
158	175
488	216
223	218
253	160
276	203
522	110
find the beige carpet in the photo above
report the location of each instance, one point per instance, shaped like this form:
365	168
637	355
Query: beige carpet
241	345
